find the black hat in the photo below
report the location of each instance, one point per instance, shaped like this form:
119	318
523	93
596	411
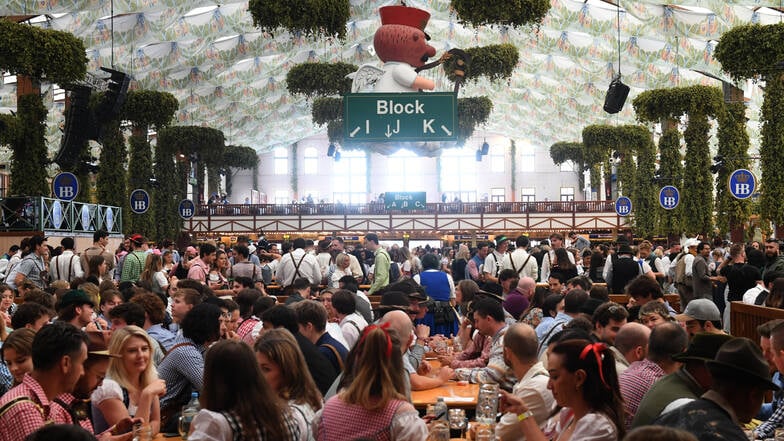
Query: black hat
392	301
703	347
489	295
741	358
624	248
500	239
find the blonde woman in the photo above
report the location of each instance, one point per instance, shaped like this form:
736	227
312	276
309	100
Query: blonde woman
342	268
154	273
131	387
283	366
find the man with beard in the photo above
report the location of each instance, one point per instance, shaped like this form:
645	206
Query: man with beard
774	261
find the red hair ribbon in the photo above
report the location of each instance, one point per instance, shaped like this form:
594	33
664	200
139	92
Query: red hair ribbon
385	328
597	349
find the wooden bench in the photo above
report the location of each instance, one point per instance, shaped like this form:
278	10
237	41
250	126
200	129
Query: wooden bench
744	319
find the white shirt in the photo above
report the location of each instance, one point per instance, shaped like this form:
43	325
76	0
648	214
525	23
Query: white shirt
750	296
309	268
349	330
60	265
519	257
397	77
532	388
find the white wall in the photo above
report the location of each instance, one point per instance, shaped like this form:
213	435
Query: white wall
546	177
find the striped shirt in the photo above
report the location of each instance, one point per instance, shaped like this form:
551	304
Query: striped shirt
635	382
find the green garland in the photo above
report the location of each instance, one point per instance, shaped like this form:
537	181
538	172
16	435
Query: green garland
653	105
240	157
750	50
698	102
470	113
733	147
139	175
28	155
494	62
513	154
746	52
561	152
166	196
772	152
8	133
315	18
645	192
501	12
326	109
294	170
147	108
41	53
319	79
670	222
112	178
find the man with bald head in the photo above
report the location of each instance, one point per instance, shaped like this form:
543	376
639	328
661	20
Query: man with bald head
631	344
520	353
666	340
401	323
526	286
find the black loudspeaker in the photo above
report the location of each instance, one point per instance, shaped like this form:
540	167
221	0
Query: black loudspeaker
616	96
78	129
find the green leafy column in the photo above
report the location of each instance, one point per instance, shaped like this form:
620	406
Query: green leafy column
33	53
28	177
294	176
669	222
731	212
241	158
561	152
112	178
698	103
746	52
145	108
697	179
645	199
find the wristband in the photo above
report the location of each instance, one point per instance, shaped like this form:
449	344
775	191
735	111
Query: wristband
523	416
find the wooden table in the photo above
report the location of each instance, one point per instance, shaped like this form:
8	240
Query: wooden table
455	395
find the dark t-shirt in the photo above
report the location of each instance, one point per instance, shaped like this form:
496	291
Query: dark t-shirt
327	339
320	368
740	279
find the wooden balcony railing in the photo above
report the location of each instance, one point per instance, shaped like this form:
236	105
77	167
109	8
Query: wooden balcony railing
430	208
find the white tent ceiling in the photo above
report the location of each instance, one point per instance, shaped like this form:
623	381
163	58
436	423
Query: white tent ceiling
228	75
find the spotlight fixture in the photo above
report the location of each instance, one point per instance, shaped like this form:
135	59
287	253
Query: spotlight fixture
485	148
479	155
337	156
331	149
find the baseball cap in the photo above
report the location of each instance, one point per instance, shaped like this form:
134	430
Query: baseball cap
138	239
700	309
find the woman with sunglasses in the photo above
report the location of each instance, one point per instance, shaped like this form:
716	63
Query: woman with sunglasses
585	386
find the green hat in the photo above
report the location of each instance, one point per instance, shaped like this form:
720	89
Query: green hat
76	297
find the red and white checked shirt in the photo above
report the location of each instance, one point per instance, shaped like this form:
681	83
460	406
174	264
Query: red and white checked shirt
25	417
635	382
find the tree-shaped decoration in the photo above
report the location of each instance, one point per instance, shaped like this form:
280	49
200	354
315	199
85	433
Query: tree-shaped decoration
756	52
699	103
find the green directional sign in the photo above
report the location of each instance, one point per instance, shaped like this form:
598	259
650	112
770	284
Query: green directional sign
400	116
412	200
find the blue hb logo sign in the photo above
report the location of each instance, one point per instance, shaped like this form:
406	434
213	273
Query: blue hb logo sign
742	183
65	186
669	197
186	209
623	206
140	201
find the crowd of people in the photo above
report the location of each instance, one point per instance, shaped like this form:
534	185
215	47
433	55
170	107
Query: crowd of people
96	341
